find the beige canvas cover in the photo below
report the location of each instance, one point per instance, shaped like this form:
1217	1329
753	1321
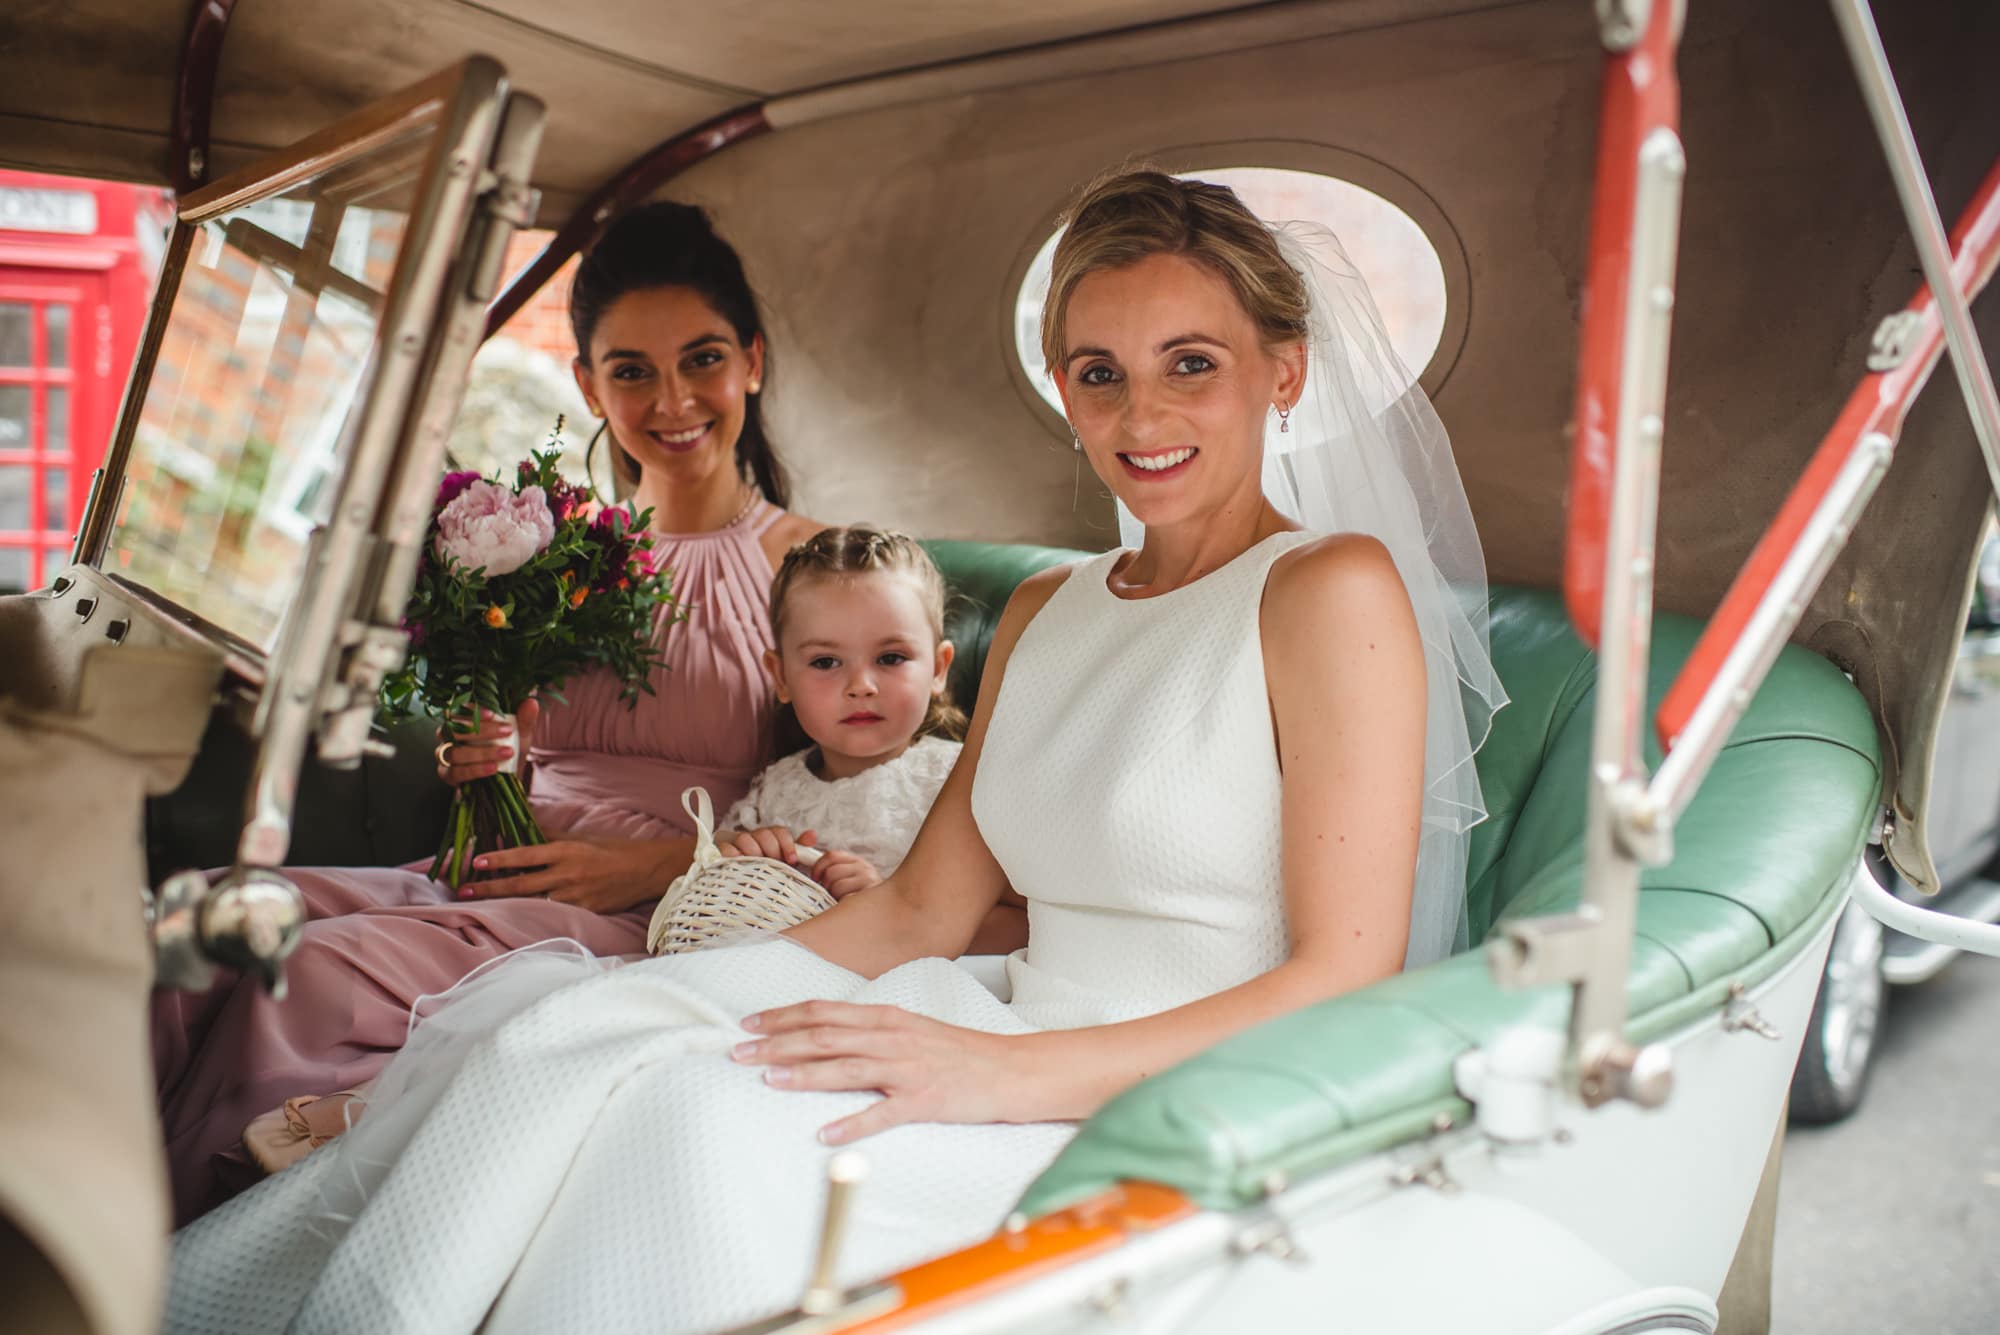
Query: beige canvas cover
924	149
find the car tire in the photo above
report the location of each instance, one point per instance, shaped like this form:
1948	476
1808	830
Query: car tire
1842	1036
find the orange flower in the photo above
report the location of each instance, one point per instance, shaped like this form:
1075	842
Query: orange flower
576	599
569	577
496	617
623	583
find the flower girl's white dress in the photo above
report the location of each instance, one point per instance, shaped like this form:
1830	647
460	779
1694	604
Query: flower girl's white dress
566	1146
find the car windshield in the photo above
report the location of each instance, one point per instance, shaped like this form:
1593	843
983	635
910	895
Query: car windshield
243	427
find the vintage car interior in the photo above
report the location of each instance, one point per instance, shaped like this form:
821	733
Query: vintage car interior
889	172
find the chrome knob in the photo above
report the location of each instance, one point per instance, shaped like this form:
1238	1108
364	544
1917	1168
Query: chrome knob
1644	1076
252	921
823	1292
173	916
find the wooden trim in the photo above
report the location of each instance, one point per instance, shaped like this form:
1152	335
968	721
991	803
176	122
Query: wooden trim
346	139
632	184
194	93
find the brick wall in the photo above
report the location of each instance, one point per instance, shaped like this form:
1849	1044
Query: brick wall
542	324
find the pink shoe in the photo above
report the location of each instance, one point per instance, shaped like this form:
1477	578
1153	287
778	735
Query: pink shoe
283	1136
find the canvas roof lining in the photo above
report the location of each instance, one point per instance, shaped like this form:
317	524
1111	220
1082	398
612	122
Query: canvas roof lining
287	70
1766	344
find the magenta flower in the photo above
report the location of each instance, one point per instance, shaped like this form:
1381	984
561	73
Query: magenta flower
451	486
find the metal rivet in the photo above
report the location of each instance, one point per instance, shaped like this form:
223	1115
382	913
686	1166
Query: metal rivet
1110	1299
115	631
84	607
61	586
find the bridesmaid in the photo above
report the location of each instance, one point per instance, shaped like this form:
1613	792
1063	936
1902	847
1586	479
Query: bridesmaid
671	354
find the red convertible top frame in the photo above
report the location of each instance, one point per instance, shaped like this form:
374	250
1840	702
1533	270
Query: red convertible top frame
1608	577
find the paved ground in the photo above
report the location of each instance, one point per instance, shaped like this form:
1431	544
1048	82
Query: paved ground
1889	1223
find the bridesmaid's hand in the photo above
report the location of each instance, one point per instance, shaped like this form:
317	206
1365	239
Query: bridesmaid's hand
481	752
603	875
926	1070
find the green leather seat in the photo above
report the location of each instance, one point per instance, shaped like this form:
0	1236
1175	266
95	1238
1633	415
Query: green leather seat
1762	860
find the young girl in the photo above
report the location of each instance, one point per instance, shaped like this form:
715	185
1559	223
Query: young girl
858	615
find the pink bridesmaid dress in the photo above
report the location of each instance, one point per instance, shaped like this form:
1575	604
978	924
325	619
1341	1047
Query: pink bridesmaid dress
380	938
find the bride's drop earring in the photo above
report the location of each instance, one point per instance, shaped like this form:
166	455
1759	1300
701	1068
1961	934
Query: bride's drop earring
1075	441
1284	418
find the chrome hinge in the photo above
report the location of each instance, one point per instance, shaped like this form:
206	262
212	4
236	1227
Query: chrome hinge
1740	1015
1271	1236
1893	340
1621	23
1428	1172
511	200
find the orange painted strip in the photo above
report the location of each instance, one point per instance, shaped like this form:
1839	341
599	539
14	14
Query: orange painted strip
1878	404
1641	93
1008	1260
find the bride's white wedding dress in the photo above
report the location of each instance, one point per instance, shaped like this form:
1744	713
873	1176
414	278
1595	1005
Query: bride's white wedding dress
566	1146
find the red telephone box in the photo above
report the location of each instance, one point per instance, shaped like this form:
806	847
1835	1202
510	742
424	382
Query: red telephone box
77	260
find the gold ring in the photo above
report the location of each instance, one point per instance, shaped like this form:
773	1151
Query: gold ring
439	753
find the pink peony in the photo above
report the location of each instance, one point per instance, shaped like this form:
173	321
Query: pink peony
486	526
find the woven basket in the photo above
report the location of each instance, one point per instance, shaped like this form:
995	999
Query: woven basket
720	895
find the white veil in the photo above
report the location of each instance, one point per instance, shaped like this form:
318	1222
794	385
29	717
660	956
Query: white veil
1364	452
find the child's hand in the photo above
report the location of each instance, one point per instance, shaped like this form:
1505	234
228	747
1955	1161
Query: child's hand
773	841
843	873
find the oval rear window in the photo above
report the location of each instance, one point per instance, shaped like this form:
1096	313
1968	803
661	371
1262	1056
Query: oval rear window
1385	243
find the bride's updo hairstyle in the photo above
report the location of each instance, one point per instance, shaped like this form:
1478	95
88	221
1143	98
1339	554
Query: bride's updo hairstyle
1134	215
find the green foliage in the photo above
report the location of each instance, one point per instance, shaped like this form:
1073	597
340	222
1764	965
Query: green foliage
589	600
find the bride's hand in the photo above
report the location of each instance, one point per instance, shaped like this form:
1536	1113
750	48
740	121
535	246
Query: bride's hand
926	1070
474	755
600	874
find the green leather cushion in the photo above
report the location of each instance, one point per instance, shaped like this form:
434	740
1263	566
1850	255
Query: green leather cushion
982	576
1762	857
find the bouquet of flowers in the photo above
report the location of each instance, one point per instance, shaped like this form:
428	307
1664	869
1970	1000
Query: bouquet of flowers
519	589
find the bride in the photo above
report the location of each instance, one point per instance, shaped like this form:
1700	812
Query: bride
1229	771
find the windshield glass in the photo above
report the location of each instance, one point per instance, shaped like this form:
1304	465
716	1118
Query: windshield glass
243	426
